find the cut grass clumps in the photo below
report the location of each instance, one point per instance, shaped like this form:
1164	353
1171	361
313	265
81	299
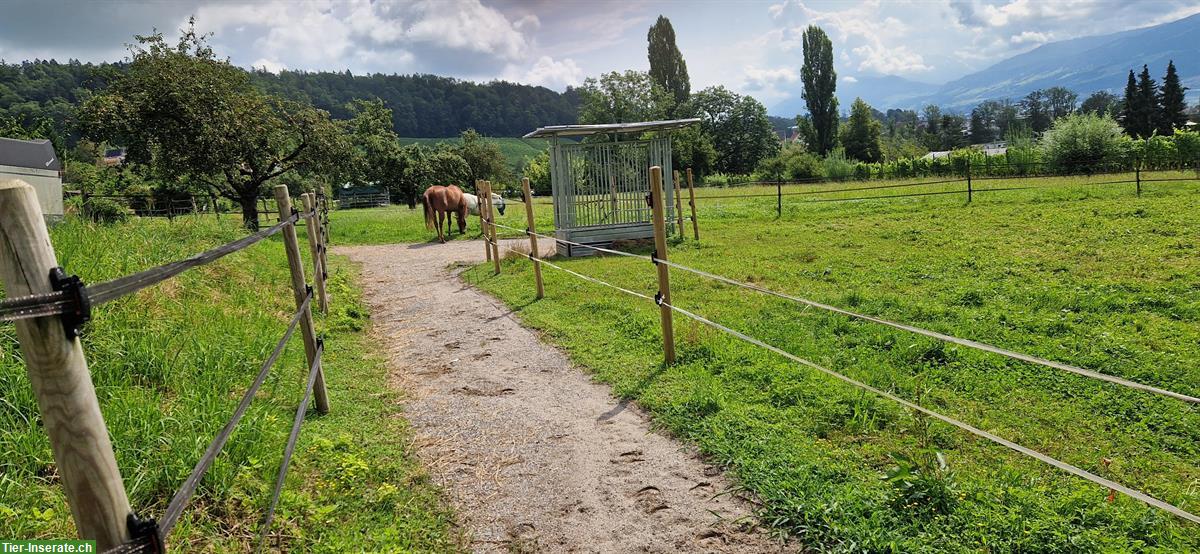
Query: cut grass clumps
1088	276
170	364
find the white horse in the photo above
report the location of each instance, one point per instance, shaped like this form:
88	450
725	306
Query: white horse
473	203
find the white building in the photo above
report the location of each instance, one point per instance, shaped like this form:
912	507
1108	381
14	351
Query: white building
34	162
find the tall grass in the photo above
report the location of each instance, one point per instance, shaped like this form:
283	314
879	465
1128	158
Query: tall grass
171	362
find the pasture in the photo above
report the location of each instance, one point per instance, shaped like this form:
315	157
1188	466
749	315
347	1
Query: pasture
170	364
1086	275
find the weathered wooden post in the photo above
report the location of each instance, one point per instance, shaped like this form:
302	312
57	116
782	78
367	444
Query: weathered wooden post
533	240
678	205
779	198
300	290
486	198
692	202
59	374
487	248
660	252
312	228
1137	174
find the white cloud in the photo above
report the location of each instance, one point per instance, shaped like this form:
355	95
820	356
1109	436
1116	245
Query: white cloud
849	79
467	25
1030	37
757	78
890	60
272	66
554	74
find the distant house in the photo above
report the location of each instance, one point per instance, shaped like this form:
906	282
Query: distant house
35	162
936	155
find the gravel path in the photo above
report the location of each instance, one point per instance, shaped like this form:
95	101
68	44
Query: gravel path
536	457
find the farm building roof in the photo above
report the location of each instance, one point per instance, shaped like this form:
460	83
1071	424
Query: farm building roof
35	154
585	130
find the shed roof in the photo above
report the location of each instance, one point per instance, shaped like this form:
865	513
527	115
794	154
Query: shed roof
35	154
585	130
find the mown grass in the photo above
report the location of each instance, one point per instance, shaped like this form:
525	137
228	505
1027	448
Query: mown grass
171	363
1087	275
395	224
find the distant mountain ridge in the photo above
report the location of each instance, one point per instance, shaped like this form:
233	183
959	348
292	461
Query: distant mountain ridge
1084	65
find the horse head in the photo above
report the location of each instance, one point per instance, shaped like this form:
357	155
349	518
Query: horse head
499	201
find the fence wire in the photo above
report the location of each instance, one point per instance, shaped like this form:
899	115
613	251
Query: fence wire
1054	462
61	302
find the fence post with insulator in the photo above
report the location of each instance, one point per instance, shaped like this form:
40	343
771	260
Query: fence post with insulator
491	225
660	251
678	204
533	240
301	292
58	371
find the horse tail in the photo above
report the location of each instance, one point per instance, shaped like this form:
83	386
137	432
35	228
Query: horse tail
428	212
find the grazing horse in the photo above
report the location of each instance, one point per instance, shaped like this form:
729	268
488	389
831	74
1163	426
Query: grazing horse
473	203
440	202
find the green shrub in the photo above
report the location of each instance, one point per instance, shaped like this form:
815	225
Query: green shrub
105	210
1080	142
1187	148
837	167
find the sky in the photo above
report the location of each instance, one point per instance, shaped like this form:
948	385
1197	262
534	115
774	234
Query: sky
751	47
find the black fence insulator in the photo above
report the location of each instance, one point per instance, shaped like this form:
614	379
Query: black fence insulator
658	298
654	257
80	307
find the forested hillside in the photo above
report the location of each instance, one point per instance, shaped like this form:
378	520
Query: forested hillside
422	105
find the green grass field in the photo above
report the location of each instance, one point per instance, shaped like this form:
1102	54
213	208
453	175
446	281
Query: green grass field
170	364
1084	274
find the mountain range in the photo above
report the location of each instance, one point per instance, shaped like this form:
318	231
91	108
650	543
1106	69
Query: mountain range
1084	65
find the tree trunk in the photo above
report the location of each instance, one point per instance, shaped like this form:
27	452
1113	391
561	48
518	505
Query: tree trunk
249	212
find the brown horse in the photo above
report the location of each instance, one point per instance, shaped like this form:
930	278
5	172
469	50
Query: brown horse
440	202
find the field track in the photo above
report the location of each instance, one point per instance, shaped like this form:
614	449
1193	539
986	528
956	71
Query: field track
534	455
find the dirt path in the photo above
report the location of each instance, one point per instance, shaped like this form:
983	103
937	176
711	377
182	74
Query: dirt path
535	456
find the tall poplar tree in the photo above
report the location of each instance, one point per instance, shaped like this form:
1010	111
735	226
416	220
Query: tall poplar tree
862	134
820	82
667	68
1174	108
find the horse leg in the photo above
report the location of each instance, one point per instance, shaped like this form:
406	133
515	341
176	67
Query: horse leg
441	238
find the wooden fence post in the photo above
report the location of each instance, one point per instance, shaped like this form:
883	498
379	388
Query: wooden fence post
1137	172
779	199
969	189
312	228
487	248
59	374
300	288
487	197
323	244
660	252
533	240
692	202
678	205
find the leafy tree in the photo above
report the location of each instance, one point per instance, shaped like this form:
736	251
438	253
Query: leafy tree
982	124
1101	102
692	147
820	83
861	137
537	170
933	119
1060	102
1174	106
738	127
483	158
622	98
1036	112
667	68
377	159
806	132
189	116
952	132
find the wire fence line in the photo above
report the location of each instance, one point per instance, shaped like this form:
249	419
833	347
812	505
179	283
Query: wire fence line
73	300
873	319
1064	466
660	299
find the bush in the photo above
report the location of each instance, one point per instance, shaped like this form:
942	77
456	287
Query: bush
1187	148
792	163
724	180
837	167
1080	142
105	210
